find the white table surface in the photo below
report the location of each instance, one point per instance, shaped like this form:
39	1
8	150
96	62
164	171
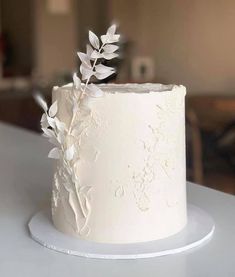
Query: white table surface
25	178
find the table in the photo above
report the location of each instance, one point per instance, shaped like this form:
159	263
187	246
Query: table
25	178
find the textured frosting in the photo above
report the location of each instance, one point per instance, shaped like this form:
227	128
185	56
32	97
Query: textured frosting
131	168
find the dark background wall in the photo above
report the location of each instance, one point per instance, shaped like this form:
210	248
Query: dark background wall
16	23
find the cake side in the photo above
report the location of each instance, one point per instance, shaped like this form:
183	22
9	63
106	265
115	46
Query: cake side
129	184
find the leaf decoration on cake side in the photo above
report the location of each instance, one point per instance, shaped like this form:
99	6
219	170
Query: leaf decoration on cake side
76	197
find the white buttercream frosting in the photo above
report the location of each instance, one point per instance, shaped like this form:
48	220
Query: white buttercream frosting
131	166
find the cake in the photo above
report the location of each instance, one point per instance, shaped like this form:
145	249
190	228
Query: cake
120	151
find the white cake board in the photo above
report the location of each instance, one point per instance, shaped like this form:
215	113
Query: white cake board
200	228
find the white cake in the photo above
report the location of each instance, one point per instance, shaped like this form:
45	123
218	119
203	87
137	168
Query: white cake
128	183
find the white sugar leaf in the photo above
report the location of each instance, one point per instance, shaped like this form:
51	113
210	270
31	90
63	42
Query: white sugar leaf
44	117
60	138
89	50
119	192
111	30
53	140
60	125
109	56
69	153
85	230
53	109
76	81
100	68
86	73
110	38
94	40
143	202
54	153
51	121
48	133
94	91
44	122
87	206
114	38
101	76
84	59
110	48
67	186
96	55
85	189
104	39
44	125
75	165
41	101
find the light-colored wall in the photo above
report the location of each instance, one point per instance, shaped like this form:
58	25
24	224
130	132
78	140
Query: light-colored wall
55	40
191	41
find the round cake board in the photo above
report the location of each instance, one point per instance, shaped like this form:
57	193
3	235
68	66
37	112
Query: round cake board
199	229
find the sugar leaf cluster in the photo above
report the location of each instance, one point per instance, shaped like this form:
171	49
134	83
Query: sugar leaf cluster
99	49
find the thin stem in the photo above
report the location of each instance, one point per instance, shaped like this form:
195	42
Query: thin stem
94	64
73	117
84	89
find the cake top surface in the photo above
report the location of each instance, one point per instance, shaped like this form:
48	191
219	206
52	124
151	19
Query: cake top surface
132	88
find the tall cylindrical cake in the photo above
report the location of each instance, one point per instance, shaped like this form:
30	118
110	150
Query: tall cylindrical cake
126	181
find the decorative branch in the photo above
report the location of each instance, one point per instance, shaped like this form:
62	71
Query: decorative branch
58	133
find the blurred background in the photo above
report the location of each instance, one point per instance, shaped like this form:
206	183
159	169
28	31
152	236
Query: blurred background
182	42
